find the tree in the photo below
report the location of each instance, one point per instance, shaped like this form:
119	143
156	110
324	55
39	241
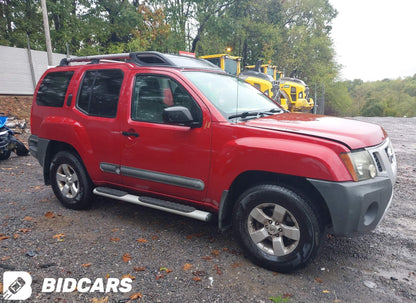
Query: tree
21	19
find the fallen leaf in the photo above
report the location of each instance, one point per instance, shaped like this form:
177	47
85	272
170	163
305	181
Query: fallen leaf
126	257
200	273
287	295
139	268
114	229
128	276
196	279
337	301
154	237
28	218
167	270
235	265
159	277
141	240
24	230
107	276
218	269
86	265
207	258
50	215
15	236
135	296
114	239
1	287
58	236
101	300
189	237
326	291
187	266
3	237
318	280
215	252
5	258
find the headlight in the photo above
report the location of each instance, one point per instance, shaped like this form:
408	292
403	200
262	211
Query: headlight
360	165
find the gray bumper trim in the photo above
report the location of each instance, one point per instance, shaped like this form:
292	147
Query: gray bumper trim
356	207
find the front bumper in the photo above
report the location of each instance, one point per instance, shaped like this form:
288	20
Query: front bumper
356	207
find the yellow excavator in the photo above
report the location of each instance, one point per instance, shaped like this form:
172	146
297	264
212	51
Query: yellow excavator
291	93
232	65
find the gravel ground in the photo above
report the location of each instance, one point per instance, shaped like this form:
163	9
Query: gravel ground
175	259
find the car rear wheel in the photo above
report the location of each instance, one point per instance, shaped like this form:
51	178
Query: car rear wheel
277	227
70	181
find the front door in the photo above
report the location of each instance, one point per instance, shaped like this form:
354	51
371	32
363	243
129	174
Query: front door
162	158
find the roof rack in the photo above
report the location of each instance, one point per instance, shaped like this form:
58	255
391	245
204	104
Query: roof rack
149	58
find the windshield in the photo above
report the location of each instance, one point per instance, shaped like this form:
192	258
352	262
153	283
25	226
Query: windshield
230	95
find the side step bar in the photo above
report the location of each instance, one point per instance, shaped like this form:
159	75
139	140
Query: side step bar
167	206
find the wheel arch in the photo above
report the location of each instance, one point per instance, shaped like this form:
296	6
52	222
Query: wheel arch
250	179
53	148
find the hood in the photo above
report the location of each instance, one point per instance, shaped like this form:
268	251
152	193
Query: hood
354	134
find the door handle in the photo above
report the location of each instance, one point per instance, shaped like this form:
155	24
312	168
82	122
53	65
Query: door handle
130	134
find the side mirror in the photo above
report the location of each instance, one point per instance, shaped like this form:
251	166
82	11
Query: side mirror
179	115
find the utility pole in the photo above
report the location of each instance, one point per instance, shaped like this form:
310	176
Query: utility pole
47	34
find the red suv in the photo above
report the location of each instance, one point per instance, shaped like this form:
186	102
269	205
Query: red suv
177	134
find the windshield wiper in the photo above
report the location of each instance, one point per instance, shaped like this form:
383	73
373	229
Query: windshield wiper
244	115
256	114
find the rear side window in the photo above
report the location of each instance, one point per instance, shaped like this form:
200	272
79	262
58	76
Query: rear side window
99	92
53	88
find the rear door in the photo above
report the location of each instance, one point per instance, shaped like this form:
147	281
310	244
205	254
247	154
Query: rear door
97	103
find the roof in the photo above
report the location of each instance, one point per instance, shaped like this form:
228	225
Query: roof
150	58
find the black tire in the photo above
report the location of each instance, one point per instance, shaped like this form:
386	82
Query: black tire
5	155
277	228
21	149
70	181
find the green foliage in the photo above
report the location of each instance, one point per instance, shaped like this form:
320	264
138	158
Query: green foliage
396	98
279	299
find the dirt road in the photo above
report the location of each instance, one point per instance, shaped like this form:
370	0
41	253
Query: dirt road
174	259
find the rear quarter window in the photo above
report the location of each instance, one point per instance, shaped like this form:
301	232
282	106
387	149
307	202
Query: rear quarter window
53	88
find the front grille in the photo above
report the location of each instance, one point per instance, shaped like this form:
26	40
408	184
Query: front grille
378	161
385	160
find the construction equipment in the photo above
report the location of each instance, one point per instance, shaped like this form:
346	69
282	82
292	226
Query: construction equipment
291	92
294	95
232	65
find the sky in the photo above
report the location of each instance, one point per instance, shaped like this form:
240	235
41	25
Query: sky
375	39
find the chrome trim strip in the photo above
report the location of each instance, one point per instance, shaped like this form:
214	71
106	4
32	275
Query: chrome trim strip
154	176
164	178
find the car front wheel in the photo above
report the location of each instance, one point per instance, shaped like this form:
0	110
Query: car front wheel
278	228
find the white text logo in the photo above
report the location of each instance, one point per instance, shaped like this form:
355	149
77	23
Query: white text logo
86	285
